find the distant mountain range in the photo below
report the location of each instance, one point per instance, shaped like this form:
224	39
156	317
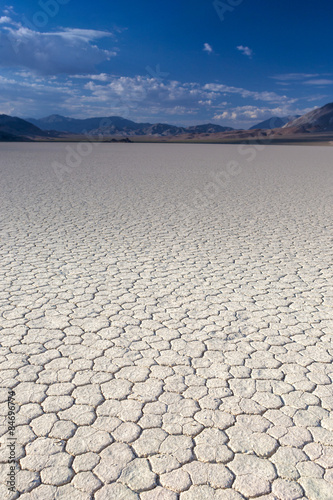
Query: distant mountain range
60	127
115	125
274	122
17	129
318	120
14	128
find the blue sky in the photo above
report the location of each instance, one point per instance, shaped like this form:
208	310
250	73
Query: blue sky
232	62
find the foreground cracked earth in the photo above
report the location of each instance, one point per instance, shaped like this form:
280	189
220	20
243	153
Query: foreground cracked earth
163	344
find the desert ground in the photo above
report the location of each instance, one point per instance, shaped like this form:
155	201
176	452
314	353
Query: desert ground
167	325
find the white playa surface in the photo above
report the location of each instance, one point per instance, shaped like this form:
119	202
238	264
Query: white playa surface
167	327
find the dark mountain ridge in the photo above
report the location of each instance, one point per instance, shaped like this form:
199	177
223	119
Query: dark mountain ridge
5	137
318	120
16	128
273	122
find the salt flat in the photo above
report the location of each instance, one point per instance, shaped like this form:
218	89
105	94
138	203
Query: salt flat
167	321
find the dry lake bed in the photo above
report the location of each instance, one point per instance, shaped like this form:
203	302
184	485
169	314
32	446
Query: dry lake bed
166	328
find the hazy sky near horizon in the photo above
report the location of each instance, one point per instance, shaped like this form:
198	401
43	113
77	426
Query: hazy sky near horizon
232	62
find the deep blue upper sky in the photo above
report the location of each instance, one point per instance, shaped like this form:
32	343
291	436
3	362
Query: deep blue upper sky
233	62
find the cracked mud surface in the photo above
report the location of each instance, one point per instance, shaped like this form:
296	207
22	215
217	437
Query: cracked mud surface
163	348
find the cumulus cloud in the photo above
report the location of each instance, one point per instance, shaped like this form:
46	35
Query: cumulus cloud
209	102
245	50
140	97
173	97
32	96
69	51
208	48
132	90
5	20
249	112
101	77
246	114
179	110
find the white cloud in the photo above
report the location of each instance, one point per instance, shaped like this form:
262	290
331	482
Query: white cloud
208	48
52	53
249	112
179	110
172	98
102	77
317	97
5	20
245	115
294	76
319	81
257	96
245	50
33	96
88	94
9	9
74	33
209	102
